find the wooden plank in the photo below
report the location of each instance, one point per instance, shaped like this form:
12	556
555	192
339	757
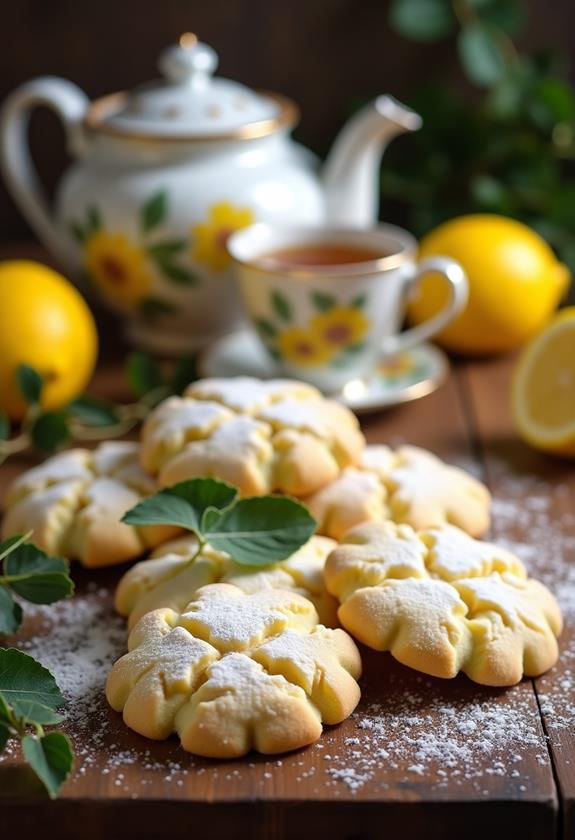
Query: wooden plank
420	757
534	498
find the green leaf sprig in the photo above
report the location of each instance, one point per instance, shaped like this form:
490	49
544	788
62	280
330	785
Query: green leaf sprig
33	575
29	694
508	149
87	417
29	697
255	532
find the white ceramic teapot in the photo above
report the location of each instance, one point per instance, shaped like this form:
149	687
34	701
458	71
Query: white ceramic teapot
163	175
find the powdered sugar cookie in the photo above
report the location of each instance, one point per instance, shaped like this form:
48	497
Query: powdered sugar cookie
407	485
442	602
73	503
170	579
258	435
234	672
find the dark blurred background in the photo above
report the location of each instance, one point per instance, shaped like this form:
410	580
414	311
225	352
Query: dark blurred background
330	55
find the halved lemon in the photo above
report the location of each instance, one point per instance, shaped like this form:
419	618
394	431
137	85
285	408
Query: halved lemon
543	389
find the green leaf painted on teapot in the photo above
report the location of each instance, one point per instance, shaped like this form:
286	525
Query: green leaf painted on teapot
166	250
177	273
154	211
94	220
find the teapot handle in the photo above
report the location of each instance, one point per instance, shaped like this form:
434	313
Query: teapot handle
70	104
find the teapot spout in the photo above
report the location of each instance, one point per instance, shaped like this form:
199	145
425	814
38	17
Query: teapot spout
350	172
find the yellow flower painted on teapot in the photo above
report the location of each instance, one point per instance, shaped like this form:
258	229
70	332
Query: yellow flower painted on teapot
210	237
117	266
126	270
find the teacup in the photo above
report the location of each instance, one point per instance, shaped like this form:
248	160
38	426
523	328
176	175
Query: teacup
328	303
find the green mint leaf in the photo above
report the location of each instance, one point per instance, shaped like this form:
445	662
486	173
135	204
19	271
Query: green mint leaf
51	758
50	430
12	543
166	250
92	412
5	724
4	426
481	53
185	373
177	273
4	711
42	579
322	301
26	686
4	736
39	714
259	530
184	504
265	328
422	20
154	211
10	613
143	373
282	306
94	219
30	383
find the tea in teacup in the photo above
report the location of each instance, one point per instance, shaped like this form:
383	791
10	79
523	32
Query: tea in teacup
318	254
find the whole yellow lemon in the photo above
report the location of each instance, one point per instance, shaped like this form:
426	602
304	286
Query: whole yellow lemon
515	283
45	323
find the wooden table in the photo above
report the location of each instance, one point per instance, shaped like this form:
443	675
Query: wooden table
421	757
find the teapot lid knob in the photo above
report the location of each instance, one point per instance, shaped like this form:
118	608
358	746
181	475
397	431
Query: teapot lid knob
188	62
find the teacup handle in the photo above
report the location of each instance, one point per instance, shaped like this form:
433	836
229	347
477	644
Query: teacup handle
455	278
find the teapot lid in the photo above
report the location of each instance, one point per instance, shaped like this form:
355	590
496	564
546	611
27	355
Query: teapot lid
190	104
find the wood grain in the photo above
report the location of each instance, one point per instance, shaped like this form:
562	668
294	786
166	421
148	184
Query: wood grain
514	470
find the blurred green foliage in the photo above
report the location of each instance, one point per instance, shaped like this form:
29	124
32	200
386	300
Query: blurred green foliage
506	145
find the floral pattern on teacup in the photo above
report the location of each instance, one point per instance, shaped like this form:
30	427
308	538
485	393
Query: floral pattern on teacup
123	268
332	336
210	236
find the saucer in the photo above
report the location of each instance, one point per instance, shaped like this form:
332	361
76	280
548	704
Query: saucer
406	376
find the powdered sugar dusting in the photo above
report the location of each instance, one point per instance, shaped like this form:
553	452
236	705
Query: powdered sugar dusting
424	732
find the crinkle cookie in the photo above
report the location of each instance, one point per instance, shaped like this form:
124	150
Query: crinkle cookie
407	485
234	672
73	503
168	579
442	602
258	435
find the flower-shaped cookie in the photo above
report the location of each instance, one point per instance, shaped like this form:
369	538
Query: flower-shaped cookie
407	485
235	672
442	602
258	435
169	579
73	503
